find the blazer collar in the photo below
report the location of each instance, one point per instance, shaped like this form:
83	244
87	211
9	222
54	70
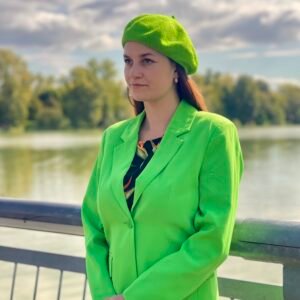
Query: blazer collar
179	124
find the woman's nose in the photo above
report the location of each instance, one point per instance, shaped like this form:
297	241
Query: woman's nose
135	70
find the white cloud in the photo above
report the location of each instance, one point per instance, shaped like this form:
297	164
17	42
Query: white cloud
274	82
60	28
51	63
212	24
265	54
281	53
38	20
244	55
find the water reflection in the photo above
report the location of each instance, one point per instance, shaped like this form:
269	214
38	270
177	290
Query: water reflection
56	168
270	186
16	172
50	175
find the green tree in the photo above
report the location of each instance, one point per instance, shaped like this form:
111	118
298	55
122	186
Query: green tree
92	97
291	98
269	105
45	110
216	89
241	103
81	98
15	90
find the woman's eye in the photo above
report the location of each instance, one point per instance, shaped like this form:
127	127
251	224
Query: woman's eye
147	61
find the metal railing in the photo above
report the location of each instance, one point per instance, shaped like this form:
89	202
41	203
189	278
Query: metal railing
264	241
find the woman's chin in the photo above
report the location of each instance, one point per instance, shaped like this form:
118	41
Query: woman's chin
138	97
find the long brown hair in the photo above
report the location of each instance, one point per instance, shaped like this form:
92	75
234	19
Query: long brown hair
186	89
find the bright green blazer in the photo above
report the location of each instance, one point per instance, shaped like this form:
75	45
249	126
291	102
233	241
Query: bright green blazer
180	227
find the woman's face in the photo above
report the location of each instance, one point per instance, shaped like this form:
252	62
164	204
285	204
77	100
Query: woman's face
149	74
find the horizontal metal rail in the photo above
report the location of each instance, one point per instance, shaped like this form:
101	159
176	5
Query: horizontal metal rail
68	263
40	259
40	216
253	239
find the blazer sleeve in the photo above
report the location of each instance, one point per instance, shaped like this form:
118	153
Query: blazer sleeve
179	274
95	243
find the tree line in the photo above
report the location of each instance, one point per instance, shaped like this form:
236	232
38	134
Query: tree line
91	96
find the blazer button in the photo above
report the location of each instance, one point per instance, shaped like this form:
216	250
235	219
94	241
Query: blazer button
130	224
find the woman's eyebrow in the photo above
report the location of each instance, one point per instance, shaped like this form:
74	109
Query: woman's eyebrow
141	55
147	54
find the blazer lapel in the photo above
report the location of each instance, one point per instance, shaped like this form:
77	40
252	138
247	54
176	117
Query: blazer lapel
122	158
171	142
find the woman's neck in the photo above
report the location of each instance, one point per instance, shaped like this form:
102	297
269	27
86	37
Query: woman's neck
157	117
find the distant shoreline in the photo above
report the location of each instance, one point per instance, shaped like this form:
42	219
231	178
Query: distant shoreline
273	132
92	137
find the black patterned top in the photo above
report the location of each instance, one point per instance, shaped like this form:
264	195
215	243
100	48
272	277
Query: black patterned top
144	153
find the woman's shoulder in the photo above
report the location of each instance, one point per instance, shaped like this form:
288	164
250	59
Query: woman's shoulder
117	128
213	121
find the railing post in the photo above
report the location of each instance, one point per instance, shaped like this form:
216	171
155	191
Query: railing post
291	282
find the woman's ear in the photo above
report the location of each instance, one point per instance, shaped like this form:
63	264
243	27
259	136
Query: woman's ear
176	76
175	73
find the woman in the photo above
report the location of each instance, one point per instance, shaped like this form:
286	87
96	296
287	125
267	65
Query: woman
159	210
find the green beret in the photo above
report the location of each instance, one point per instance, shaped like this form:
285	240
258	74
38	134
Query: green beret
165	35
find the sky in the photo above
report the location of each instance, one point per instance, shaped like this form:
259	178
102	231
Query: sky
260	38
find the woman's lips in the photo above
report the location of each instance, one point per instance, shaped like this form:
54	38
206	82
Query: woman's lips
138	85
